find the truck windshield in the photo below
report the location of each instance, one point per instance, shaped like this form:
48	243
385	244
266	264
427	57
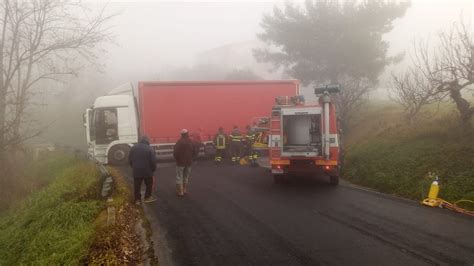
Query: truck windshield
105	125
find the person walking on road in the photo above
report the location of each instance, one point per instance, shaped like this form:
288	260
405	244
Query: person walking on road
220	143
142	159
184	153
236	145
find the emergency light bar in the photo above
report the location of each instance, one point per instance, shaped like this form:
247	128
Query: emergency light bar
334	88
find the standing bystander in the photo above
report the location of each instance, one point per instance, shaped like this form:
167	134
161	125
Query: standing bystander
184	153
142	159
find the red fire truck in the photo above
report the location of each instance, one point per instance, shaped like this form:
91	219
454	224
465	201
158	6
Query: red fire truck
303	139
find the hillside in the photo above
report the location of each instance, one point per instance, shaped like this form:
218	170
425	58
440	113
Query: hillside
384	153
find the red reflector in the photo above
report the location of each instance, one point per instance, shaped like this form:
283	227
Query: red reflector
278	166
327	167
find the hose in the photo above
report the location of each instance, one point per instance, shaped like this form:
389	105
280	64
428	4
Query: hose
454	207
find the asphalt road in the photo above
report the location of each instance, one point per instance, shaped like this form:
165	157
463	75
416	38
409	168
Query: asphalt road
235	215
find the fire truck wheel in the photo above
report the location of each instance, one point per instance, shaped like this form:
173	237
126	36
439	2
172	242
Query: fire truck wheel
278	179
118	154
334	180
209	150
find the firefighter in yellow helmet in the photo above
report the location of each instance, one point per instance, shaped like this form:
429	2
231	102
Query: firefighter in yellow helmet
220	142
236	145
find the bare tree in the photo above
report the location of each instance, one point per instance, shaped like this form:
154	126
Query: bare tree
412	90
42	41
446	72
351	98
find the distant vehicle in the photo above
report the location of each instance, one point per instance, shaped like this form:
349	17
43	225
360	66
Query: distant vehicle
161	109
303	138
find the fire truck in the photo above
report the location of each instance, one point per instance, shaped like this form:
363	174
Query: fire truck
303	139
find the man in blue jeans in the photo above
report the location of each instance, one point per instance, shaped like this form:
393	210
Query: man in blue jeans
142	159
184	153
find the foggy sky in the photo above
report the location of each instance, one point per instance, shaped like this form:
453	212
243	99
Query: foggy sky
154	35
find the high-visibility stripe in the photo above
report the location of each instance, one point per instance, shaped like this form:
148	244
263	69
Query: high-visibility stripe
281	162
326	162
220	142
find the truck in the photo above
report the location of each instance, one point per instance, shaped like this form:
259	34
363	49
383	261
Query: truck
303	138
160	109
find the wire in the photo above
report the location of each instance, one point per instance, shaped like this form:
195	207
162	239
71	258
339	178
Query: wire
463	200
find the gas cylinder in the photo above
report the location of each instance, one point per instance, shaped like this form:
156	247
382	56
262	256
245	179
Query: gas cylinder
434	189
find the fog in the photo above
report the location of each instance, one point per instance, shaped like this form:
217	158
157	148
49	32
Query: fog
162	40
154	36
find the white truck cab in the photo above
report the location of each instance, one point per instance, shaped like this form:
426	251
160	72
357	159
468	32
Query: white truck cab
111	128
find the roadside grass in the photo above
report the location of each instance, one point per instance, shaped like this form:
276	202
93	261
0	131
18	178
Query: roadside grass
117	244
26	175
385	153
53	225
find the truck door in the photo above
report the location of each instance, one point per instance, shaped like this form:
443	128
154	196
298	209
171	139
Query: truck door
301	131
105	125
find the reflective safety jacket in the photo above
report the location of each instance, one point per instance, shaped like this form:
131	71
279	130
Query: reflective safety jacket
220	141
251	136
236	136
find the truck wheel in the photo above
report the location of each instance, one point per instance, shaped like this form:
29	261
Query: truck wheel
209	150
278	179
118	155
334	180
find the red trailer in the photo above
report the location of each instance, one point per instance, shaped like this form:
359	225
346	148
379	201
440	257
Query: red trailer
166	107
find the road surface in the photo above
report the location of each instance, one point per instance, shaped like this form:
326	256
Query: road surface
235	215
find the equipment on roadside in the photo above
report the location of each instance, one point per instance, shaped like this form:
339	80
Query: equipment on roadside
434	201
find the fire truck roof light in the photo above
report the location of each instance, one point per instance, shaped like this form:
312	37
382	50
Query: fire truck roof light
335	88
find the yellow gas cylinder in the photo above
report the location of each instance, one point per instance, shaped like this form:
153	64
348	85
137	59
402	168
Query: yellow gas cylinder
434	190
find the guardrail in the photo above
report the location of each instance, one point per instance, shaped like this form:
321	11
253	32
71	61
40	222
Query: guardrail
106	192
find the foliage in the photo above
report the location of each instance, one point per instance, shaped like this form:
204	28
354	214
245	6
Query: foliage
55	225
437	74
392	157
41	43
117	244
332	42
327	39
27	175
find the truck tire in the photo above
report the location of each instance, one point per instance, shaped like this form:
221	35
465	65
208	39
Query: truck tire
209	150
334	180
278	179
118	154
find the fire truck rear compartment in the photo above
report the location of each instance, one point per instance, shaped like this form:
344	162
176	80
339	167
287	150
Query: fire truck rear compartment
302	134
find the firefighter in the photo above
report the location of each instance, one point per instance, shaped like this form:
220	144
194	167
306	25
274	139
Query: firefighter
236	145
220	143
250	140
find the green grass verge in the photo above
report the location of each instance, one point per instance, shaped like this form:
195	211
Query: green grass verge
54	225
388	155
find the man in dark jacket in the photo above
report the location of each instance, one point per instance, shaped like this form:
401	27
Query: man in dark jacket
142	159
184	153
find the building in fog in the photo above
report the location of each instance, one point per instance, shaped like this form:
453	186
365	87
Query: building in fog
238	56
